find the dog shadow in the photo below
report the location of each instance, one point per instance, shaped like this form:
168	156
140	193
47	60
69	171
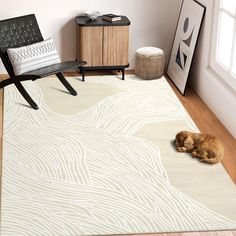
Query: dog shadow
172	144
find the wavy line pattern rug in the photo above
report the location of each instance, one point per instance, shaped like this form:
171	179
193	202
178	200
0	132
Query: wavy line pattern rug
103	163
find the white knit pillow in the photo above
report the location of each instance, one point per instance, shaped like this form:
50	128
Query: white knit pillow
34	56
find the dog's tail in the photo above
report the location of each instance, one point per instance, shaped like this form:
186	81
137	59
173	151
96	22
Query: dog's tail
212	158
211	161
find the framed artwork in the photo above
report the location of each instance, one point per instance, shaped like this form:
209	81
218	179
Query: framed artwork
186	36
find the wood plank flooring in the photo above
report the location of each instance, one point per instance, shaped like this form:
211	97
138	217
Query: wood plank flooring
206	122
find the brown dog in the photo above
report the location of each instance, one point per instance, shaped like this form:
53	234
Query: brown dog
203	146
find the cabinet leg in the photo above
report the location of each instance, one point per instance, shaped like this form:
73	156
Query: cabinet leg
83	75
123	74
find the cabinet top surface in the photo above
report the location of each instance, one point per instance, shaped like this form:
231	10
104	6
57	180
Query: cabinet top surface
85	21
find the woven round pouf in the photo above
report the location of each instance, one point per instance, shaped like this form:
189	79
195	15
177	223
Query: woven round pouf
149	63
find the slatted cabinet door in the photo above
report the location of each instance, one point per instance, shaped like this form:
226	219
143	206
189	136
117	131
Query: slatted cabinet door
90	45
103	44
115	45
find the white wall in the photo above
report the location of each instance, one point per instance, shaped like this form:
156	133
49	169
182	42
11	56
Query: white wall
153	22
219	97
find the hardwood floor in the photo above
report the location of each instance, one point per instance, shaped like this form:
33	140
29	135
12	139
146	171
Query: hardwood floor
205	120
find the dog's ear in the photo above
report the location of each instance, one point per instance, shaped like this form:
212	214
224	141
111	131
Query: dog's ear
188	142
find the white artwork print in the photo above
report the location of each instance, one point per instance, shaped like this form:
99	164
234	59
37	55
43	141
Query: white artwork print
184	43
184	49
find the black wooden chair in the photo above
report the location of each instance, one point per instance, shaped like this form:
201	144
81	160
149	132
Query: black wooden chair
22	31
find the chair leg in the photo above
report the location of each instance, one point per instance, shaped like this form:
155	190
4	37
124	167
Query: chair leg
25	94
63	80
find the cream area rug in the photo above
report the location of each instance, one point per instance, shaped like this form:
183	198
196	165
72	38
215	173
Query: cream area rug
103	162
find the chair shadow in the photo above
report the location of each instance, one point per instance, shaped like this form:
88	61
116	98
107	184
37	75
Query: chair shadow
79	79
28	106
24	105
60	90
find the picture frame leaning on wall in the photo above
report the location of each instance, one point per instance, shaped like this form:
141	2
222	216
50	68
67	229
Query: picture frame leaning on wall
189	24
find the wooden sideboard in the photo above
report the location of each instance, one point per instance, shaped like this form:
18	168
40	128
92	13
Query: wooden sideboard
104	45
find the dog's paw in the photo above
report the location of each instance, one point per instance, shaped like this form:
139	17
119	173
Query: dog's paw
181	149
194	154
